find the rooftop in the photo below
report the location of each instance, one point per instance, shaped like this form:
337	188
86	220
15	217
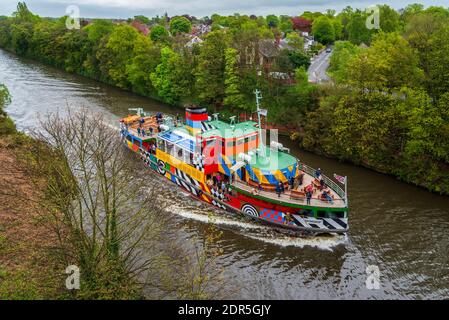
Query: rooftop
229	131
273	160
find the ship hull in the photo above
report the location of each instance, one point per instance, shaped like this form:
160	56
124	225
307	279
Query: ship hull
283	216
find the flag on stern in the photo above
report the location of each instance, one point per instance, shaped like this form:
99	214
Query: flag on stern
340	179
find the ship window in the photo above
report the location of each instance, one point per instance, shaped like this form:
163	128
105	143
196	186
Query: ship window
337	214
230	144
252	138
321	214
170	148
240	142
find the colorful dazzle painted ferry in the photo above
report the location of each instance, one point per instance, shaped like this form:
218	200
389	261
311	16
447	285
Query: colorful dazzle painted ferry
227	165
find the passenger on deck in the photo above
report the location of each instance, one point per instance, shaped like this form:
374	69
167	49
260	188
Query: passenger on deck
151	131
143	132
318	173
326	195
300	178
308	195
322	183
309	188
259	186
223	186
291	182
279	188
138	131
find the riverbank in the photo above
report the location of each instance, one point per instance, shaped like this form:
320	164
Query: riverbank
29	268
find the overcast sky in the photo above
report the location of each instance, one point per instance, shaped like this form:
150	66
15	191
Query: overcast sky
198	8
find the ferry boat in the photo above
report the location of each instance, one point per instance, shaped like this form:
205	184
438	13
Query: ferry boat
227	165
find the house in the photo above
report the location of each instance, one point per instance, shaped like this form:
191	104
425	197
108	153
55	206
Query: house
309	41
283	44
200	30
193	41
268	51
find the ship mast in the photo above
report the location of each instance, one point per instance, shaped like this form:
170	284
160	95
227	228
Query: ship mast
258	98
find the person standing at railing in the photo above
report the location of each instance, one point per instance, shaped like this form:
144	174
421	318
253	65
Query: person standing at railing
318	174
279	189
308	196
291	182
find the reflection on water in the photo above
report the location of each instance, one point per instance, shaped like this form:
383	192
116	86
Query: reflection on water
398	227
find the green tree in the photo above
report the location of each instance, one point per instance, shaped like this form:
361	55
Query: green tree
172	77
180	25
299	59
210	70
272	21
295	41
343	52
356	29
285	24
142	19
323	30
144	60
24	14
390	19
389	64
159	33
117	53
233	94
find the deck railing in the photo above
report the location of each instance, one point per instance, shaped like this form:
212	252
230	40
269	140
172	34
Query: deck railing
333	185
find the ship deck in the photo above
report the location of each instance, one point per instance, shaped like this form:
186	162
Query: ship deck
287	197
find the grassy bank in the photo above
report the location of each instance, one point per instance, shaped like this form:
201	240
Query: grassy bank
29	269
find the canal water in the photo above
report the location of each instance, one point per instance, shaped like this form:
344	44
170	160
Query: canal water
399	229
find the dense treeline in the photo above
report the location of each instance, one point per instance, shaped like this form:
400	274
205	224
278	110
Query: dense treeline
386	108
389	106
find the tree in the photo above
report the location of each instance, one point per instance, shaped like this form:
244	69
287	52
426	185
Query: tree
426	33
159	33
295	41
172	77
233	94
301	24
272	21
389	64
390	19
285	24
356	29
323	30
117	54
98	29
24	14
142	19
299	59
338	28
145	58
210	70
180	25
343	52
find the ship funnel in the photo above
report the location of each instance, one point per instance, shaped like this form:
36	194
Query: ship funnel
194	116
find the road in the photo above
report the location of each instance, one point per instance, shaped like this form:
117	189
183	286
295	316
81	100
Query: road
317	70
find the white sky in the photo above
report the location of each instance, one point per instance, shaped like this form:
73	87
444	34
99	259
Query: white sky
198	8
